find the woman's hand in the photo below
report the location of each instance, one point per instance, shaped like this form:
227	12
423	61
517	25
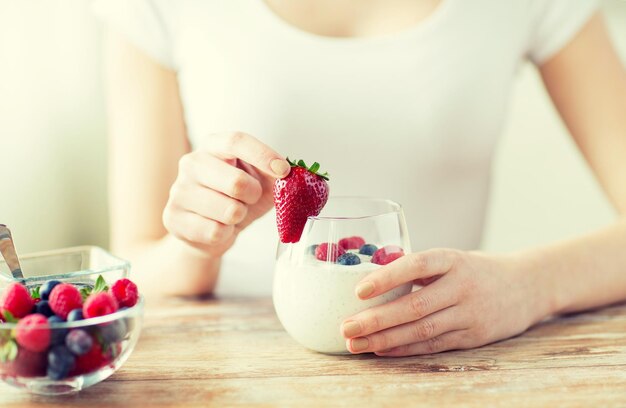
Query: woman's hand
220	189
468	299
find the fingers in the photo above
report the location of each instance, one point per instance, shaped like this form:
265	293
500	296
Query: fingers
239	145
206	170
408	268
193	228
452	340
408	308
416	331
210	204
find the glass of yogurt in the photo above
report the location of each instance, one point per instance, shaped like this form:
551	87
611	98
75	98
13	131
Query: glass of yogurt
315	278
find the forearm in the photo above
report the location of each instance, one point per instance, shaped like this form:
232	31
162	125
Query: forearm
169	267
581	273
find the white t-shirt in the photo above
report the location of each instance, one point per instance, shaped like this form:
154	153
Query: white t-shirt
412	117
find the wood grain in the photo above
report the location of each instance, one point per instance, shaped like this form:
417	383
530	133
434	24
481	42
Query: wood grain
233	352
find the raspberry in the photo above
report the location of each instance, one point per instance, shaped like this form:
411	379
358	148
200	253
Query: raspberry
321	252
64	298
91	361
16	300
351	243
27	364
125	292
99	304
387	254
33	333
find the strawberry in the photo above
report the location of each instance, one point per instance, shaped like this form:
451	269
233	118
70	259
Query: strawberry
302	194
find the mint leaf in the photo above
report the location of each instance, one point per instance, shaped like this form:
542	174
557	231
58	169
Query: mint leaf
8	351
8	317
101	285
85	292
34	293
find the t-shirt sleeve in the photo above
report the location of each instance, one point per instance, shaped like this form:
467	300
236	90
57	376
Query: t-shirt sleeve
144	23
554	23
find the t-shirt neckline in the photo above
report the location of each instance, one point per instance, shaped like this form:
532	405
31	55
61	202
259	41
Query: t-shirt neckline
423	26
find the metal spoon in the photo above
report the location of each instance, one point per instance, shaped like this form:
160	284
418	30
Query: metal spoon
8	252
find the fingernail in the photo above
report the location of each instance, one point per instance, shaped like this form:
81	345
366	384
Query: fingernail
363	290
280	167
360	344
351	328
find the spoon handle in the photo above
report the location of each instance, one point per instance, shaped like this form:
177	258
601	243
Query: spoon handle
8	252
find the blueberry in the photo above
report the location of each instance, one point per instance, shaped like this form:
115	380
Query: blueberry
368	249
46	288
75	314
78	342
60	362
348	259
311	249
114	331
57	336
43	307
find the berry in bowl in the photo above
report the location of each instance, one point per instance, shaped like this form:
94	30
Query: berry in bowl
62	333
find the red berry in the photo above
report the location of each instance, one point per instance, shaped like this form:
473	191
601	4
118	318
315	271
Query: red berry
27	364
351	242
92	360
33	333
302	194
322	252
99	304
387	254
16	299
125	292
64	298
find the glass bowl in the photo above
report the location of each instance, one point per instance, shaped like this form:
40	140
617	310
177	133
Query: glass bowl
112	337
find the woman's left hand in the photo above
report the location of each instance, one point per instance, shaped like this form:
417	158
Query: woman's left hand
468	299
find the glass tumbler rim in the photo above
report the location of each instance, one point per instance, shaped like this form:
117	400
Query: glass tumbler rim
395	208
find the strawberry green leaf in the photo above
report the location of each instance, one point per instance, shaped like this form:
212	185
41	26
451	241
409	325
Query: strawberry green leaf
8	317
313	169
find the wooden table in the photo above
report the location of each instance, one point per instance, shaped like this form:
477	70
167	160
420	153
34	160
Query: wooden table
234	352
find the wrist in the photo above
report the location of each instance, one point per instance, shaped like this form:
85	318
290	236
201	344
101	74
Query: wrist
542	291
551	297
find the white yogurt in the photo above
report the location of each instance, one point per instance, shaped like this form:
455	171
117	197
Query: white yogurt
313	298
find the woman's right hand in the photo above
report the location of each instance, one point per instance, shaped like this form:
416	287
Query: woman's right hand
220	189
